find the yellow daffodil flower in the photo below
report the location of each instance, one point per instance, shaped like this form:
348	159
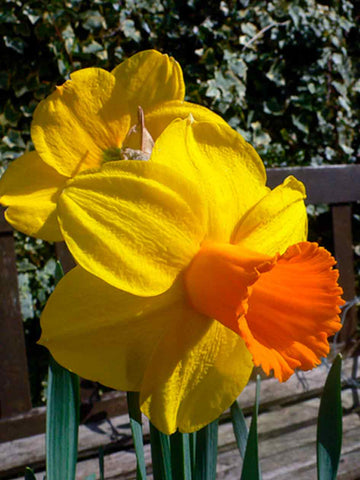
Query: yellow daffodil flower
84	123
190	271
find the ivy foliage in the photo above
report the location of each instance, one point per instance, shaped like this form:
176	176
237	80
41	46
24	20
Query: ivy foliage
284	74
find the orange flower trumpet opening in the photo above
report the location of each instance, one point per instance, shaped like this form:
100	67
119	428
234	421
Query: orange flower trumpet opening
284	307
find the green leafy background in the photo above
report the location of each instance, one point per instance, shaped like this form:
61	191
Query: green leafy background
284	74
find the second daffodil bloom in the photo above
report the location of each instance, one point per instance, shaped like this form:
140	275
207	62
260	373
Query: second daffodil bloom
190	272
87	121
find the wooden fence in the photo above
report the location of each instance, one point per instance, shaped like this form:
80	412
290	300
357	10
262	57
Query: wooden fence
338	186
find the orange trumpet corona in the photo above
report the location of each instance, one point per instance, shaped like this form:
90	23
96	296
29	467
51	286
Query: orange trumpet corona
284	306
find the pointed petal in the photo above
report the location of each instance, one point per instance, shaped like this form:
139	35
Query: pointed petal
218	158
293	308
134	224
79	121
160	117
277	221
197	371
30	189
102	333
150	78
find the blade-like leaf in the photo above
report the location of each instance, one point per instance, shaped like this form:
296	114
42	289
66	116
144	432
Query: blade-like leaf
160	454
59	272
239	426
251	467
29	474
192	446
62	422
180	456
206	452
137	433
329	429
62	418
101	463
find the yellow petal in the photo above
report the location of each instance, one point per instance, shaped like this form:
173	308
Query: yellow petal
197	371
30	189
277	221
159	118
79	121
150	78
215	156
134	224
102	333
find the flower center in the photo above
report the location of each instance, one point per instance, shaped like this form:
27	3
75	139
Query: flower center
112	154
138	143
218	281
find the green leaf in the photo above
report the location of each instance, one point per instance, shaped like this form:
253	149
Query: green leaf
101	463
29	474
92	20
137	433
59	272
329	429
62	418
192	446
12	115
239	426
128	27
17	44
206	452
180	456
160	454
62	422
251	467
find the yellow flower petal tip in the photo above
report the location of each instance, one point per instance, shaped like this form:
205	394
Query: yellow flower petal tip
31	205
295	184
278	220
190	119
284	307
145	89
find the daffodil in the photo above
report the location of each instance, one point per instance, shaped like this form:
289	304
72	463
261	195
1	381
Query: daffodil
87	121
190	272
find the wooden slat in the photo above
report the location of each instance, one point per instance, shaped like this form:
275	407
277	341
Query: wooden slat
4	226
286	446
65	257
328	184
342	234
114	403
33	422
14	385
